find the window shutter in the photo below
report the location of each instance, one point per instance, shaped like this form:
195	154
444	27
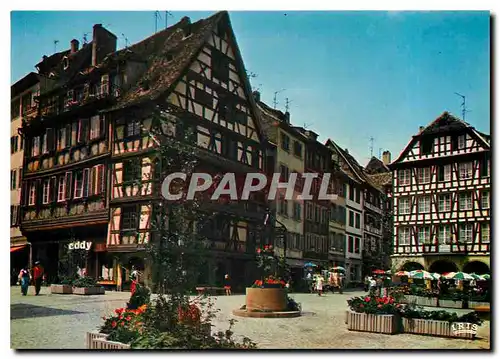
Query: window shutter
93	180
74	133
101	179
53	189
69	182
38	192
102	126
86	181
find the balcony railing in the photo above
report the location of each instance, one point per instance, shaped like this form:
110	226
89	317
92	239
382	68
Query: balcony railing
373	208
372	229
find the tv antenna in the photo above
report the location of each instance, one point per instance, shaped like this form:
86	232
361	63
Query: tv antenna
371	146
157	17
287	104
275	100
55	45
380	153
167	14
126	40
306	125
464	108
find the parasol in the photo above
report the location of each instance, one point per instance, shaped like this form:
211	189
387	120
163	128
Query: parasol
310	264
338	268
459	276
402	273
420	274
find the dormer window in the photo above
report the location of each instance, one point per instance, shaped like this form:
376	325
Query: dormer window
65	63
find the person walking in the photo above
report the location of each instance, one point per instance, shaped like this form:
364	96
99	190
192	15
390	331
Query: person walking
227	284
319	284
372	285
37	276
24	279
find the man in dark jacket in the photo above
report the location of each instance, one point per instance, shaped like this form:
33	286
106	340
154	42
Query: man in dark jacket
37	277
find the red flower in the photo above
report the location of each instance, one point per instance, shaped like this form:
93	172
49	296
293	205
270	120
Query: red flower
258	250
367	299
119	310
391	300
128	318
122	324
270	247
379	306
113	324
361	305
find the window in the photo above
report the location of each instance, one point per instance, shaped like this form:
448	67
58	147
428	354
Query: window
404	236
133	128
485	167
14	210
424	204
61	189
32	194
78	184
98	180
351	218
284	173
297	209
461	142
444	173
96	127
351	193
358	220
424	175
316	214
285	142
444	235
282	205
465	170
46	191
83	130
485	232
465	233
13	179
358	195
131	171
130	218
404	206
309	214
13	144
426	145
20	177
15	108
404	177
350	247
444	204
35	149
61	138
424	235
356	245
220	66
485	199
68	178
297	149
203	98
465	201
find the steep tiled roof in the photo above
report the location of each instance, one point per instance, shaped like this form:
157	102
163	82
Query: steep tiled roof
376	165
161	73
381	179
272	118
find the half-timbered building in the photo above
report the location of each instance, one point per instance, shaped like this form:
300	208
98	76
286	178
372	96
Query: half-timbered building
195	74
441	199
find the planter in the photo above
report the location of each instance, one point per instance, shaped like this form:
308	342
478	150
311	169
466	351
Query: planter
61	289
437	328
88	290
266	300
423	301
375	323
448	303
474	305
98	341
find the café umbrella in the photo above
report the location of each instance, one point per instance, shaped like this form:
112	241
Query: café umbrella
309	264
485	276
378	271
476	276
338	268
420	274
459	276
402	273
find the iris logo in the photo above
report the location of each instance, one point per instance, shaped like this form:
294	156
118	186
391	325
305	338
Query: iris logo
464	328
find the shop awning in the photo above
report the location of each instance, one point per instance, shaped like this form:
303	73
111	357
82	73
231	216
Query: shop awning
16	248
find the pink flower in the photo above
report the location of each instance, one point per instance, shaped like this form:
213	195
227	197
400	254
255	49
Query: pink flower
367	299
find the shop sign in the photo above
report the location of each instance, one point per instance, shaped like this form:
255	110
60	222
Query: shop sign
80	245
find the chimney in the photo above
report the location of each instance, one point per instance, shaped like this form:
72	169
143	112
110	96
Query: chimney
74	45
287	117
103	43
256	96
421	128
346	151
386	157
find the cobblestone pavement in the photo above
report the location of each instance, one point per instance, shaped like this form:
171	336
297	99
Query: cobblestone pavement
50	321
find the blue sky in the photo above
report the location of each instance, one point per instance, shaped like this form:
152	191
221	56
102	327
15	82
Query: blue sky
349	76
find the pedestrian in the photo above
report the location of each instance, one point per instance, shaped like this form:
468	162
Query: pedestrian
134	277
372	285
319	284
24	279
37	276
367	283
341	281
227	284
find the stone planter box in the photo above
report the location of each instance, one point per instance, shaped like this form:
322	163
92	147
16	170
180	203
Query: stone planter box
385	324
88	290
447	303
98	341
266	299
436	328
61	289
423	301
473	305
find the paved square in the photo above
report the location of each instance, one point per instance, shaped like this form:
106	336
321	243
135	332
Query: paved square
51	321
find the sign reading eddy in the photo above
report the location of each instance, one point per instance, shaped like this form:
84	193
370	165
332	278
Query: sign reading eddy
80	245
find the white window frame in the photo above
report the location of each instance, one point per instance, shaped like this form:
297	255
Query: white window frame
465	170
444	234
424	175
424	235
404	236
404	177
447	173
485	229
46	191
444	204
35	148
485	199
427	207
95	127
78	192
61	193
404	205
465	232
32	194
462	142
465	201
61	140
